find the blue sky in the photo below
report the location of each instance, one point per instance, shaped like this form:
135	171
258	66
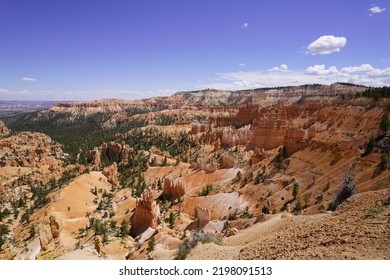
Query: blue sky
92	49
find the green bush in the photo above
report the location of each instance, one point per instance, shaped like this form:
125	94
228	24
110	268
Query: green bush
206	190
4	230
151	244
265	209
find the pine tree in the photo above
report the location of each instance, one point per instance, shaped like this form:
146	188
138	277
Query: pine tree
124	229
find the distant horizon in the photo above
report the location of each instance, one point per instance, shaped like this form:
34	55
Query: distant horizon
197	90
132	50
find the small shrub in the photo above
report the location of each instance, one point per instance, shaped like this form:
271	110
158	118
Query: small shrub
151	244
4	230
172	218
206	190
259	178
374	210
189	244
370	146
384	161
295	189
306	199
298	207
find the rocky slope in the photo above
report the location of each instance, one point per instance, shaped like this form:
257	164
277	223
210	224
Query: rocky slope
359	229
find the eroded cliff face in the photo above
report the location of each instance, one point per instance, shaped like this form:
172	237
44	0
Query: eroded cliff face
294	126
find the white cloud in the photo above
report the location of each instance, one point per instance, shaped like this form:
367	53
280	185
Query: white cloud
326	44
23	92
358	69
321	70
241	64
364	74
245	25
3	91
282	67
28	79
376	10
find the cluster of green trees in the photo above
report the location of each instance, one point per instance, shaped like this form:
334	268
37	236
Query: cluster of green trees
136	182
4	214
77	133
145	139
375	93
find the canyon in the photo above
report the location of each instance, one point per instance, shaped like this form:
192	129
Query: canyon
248	174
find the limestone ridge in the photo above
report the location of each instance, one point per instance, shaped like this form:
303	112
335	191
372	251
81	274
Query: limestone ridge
203	98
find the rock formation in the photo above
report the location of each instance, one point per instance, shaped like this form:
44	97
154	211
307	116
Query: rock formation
147	214
201	164
27	149
99	245
49	238
111	172
270	130
298	138
198	128
203	215
202	218
111	151
229	160
94	156
173	189
146	235
4	131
